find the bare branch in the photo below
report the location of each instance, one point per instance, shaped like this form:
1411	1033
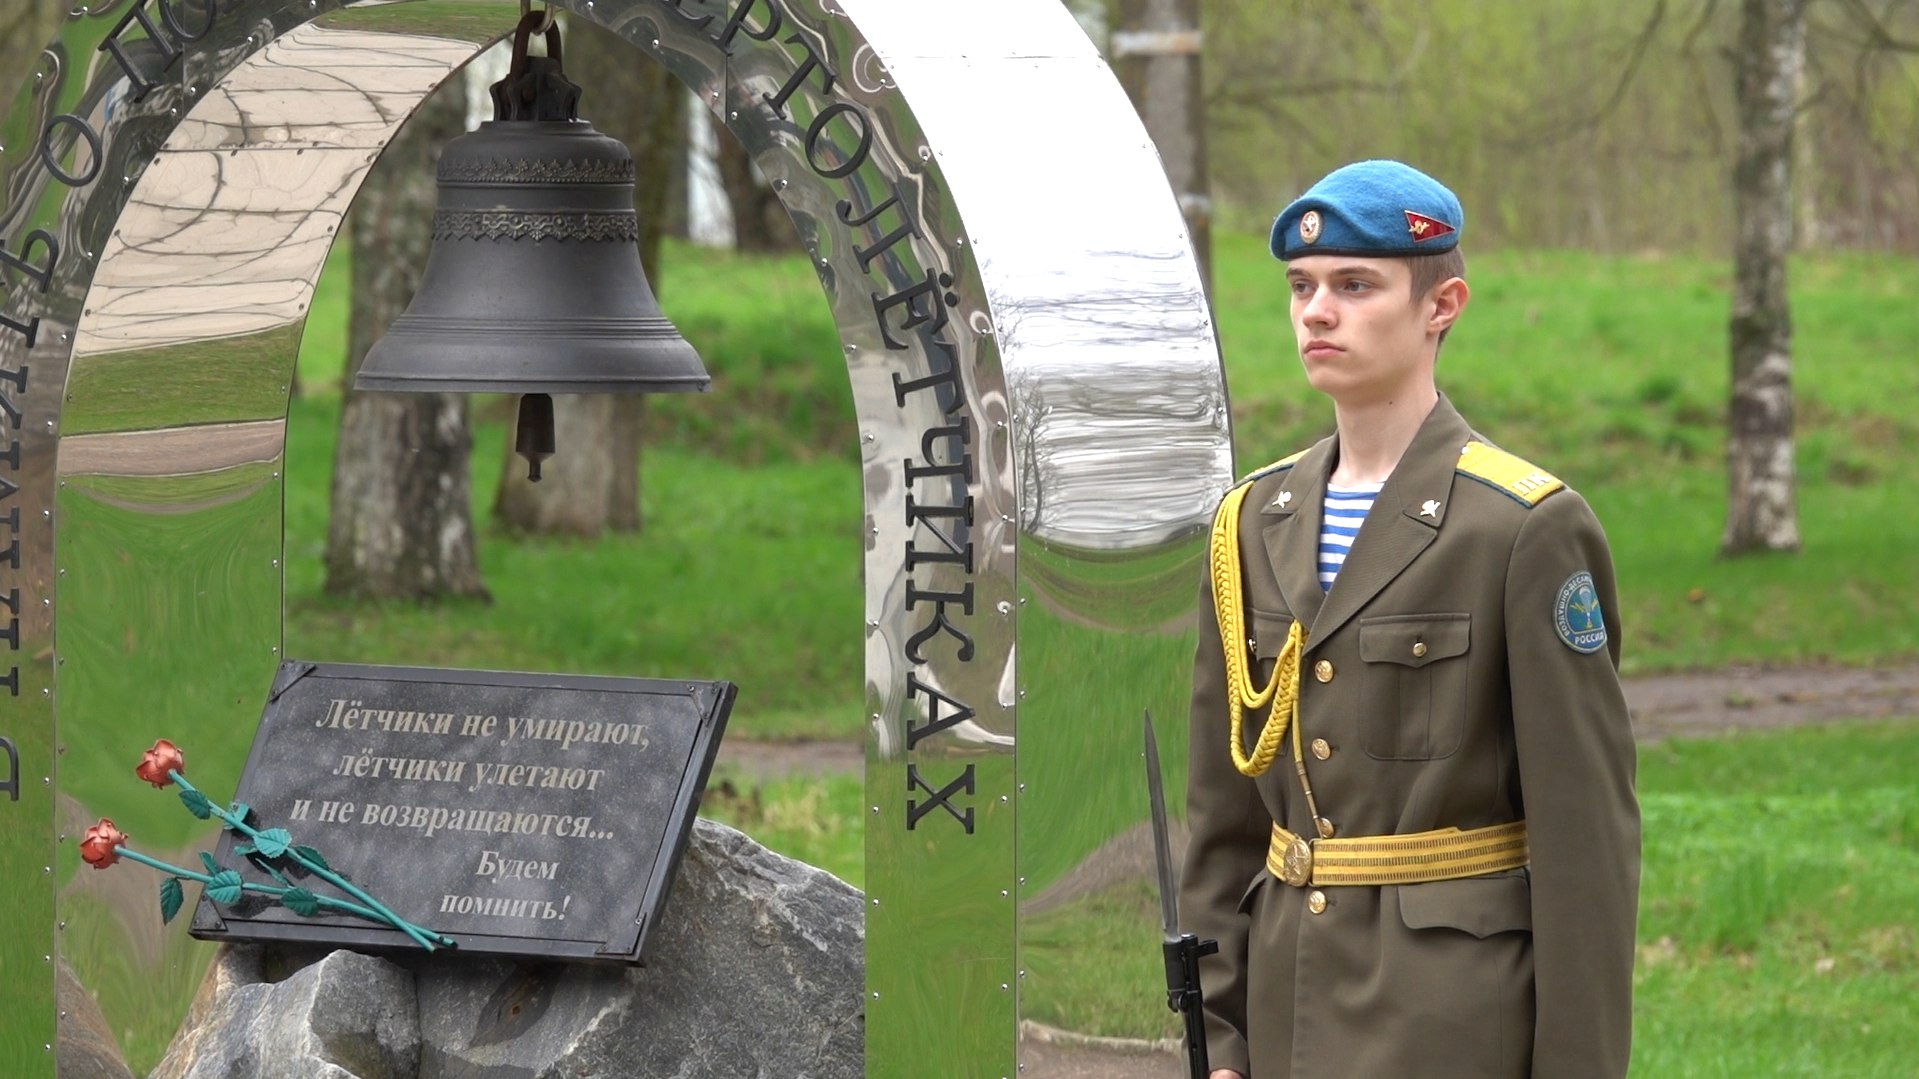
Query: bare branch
1698	27
1263	96
1556	132
1877	36
1640	47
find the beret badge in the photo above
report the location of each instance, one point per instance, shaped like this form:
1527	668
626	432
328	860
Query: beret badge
1425	228
1309	227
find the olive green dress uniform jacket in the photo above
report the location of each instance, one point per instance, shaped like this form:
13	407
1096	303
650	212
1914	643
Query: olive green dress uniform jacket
1521	973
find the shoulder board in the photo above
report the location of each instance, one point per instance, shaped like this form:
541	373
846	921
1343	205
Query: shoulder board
1519	478
1280	465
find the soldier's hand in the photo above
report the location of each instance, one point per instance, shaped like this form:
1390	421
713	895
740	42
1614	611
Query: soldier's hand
1225	1073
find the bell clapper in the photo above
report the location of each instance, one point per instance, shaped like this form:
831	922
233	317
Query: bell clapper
533	437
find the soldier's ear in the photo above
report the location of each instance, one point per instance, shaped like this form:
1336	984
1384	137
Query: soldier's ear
1449	299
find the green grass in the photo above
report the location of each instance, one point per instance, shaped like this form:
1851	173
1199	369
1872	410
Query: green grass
1776	924
1776	934
815	819
748	576
1610	371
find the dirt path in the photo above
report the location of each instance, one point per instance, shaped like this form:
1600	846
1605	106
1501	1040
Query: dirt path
1693	703
1757	698
1663	706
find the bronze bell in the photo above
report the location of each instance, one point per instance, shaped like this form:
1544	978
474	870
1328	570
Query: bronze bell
534	284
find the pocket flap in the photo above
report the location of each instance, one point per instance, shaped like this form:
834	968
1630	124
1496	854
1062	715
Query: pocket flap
1269	633
1414	640
1481	906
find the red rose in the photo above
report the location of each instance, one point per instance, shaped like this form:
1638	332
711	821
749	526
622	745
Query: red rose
97	849
163	757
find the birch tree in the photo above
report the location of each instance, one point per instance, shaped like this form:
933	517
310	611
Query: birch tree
401	520
1761	507
592	483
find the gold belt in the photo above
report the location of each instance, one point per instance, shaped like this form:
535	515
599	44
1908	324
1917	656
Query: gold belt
1445	854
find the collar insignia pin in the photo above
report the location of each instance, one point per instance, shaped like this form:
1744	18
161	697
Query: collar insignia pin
1430	509
1284	497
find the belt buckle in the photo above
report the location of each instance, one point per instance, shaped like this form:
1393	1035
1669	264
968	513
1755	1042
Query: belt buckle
1296	868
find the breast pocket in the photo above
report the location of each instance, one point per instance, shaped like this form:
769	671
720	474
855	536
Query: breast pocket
1415	695
1269	633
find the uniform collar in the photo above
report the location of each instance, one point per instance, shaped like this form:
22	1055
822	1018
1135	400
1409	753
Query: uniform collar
1424	472
1406	516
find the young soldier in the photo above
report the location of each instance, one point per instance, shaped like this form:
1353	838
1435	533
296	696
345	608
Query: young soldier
1414	832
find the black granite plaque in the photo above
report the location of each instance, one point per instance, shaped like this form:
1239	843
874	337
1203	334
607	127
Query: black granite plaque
520	814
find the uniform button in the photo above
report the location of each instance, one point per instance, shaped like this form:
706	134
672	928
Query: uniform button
1316	902
1322	748
1325	827
1323	670
1419	649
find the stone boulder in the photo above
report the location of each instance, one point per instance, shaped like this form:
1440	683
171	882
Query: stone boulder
756	972
347	1016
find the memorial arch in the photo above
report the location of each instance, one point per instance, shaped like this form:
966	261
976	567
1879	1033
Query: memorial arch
1042	416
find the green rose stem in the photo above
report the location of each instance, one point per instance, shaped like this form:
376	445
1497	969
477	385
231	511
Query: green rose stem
245	885
328	875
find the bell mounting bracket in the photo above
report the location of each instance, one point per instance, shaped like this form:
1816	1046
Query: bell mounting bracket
536	87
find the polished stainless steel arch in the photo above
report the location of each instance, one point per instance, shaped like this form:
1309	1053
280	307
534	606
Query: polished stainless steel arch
1042	415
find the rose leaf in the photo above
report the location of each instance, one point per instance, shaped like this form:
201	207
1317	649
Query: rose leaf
196	803
225	888
273	842
301	902
170	898
261	863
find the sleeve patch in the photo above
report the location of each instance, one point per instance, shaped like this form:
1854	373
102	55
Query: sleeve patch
1516	476
1577	617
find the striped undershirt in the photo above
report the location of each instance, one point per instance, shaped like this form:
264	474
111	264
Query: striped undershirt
1346	509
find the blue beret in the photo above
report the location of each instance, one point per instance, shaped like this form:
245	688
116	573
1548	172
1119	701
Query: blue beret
1370	208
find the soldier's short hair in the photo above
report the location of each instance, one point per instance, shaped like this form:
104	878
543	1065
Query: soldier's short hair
1430	270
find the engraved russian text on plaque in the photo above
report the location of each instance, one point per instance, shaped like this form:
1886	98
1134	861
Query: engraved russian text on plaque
520	814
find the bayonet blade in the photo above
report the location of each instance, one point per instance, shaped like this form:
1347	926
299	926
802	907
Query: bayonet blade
1162	844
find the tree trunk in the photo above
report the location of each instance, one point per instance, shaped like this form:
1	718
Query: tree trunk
1155	50
402	514
1094	17
760	223
1761	514
592	481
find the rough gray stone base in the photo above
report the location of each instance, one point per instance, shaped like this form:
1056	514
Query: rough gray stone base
756	972
348	1016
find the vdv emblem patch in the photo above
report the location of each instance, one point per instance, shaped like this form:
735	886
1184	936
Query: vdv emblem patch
1581	624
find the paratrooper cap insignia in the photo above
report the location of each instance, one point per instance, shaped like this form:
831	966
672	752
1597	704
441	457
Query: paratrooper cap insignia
1426	228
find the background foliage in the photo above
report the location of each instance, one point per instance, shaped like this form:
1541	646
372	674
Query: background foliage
1592	143
1570	123
1608	370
